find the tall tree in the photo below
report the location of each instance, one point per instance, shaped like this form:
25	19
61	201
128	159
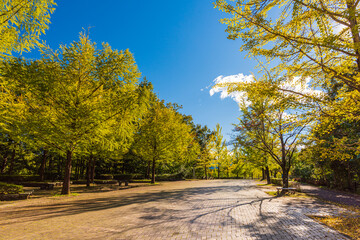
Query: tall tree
203	137
317	43
164	136
218	149
75	95
268	125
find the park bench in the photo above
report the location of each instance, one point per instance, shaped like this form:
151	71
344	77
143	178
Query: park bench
42	186
125	181
289	189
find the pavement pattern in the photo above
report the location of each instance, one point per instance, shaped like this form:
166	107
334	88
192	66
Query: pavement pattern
216	209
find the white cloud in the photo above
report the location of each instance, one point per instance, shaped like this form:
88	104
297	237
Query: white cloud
291	87
300	85
236	96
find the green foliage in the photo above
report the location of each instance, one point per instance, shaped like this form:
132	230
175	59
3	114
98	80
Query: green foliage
22	22
77	100
276	181
164	136
170	177
302	170
123	177
6	188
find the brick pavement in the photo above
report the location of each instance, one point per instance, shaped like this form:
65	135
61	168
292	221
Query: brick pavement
217	209
336	196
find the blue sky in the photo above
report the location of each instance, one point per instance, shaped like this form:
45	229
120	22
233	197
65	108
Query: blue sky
179	45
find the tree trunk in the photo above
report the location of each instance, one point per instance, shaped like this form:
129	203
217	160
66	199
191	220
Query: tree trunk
153	171
42	166
92	169
66	185
267	173
59	168
263	174
206	175
285	177
148	170
88	171
219	171
4	163
50	175
12	161
349	177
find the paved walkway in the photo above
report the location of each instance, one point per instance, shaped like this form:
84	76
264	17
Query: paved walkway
218	209
332	195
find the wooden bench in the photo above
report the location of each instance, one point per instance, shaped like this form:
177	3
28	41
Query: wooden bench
126	182
290	190
43	186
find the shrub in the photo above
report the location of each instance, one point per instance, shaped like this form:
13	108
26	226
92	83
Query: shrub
276	181
137	176
105	181
97	181
106	177
19	178
170	177
6	188
123	177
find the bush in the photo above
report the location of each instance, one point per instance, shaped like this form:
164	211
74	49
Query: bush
106	177
97	181
123	177
105	181
19	178
6	188
170	177
137	176
276	181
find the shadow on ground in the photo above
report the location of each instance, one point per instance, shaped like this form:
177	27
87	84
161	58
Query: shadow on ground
202	201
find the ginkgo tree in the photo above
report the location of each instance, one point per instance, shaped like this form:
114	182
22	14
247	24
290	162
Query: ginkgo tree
218	150
21	24
203	138
308	42
75	96
164	136
267	123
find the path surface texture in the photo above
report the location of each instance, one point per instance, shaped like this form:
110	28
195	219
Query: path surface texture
216	209
332	195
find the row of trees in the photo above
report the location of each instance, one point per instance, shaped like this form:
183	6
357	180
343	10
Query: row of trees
86	103
80	111
302	111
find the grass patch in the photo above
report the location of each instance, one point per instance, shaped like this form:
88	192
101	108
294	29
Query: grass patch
153	183
347	223
61	195
265	184
272	193
296	194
